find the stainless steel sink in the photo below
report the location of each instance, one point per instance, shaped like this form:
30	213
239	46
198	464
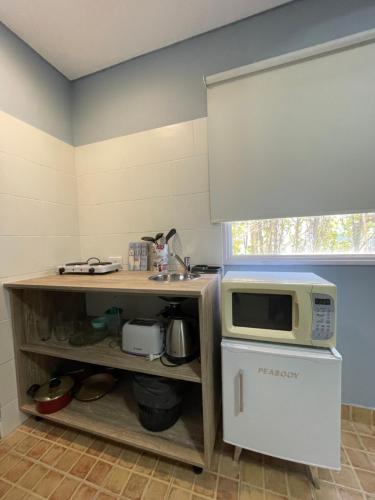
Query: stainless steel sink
169	277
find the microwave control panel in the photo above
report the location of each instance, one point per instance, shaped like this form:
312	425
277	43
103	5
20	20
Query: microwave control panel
323	325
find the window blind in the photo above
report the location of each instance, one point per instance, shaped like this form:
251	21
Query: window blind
294	135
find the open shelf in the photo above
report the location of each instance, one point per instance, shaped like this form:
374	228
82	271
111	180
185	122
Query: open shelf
115	417
109	353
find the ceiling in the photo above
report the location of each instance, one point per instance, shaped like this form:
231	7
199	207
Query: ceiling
80	37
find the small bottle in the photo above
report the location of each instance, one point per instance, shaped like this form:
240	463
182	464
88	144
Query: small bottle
131	257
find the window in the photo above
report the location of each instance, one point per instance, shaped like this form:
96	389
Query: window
330	238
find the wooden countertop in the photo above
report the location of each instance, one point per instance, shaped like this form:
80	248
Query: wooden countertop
121	281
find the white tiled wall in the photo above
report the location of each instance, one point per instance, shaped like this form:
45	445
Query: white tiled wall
38	226
128	187
143	183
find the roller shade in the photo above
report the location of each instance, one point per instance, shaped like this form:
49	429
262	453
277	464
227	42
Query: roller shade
294	135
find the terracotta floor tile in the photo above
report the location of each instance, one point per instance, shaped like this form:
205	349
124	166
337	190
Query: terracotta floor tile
29	425
252	470
360	459
269	495
327	492
299	486
56	432
164	469
53	454
135	486
348	494
275	480
369	443
85	492
99	473
111	452
248	492
183	476
65	489
42	429
325	475
68	437
227	489
146	463
67	460
14	439
3	451
129	457
205	484
82	442
96	448
116	480
32	476
105	496
178	494
4	487
351	440
7	462
344	456
156	490
363	429
39	449
347	425
83	466
367	480
16	494
346	477
229	467
16	472
26	444
48	483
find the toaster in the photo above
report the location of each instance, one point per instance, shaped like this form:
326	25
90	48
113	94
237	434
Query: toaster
143	337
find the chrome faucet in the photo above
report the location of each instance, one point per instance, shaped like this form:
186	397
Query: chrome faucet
185	263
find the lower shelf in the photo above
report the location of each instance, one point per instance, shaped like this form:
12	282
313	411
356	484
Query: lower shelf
115	417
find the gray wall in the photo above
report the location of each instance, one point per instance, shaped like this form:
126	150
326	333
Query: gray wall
166	86
355	325
33	91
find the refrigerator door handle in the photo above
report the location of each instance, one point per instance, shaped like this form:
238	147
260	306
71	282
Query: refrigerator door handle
239	403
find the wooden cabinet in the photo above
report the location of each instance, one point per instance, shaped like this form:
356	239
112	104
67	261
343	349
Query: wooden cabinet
192	438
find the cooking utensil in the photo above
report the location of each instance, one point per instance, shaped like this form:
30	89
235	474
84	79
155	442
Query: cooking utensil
53	395
171	233
95	387
158	236
148	238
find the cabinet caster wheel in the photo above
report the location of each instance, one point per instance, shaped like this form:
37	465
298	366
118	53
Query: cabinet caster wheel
38	419
197	470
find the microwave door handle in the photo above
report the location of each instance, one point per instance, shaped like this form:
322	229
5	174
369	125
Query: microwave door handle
296	314
239	403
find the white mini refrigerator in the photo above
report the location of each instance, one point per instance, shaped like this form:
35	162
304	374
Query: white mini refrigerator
283	401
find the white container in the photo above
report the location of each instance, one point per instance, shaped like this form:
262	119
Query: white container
131	257
160	257
283	401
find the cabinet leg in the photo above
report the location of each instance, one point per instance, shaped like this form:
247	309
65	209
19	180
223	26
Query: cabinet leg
313	477
237	453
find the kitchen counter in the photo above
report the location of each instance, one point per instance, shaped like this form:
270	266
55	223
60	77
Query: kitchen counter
124	281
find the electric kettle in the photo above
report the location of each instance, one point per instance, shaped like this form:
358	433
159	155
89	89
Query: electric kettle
180	346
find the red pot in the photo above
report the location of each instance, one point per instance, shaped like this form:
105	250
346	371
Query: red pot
52	396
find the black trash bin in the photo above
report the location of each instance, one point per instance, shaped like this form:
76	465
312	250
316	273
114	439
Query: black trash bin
159	401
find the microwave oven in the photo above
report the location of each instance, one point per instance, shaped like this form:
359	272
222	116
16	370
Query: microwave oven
282	307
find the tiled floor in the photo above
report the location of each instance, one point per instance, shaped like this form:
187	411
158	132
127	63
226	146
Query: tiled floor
42	460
